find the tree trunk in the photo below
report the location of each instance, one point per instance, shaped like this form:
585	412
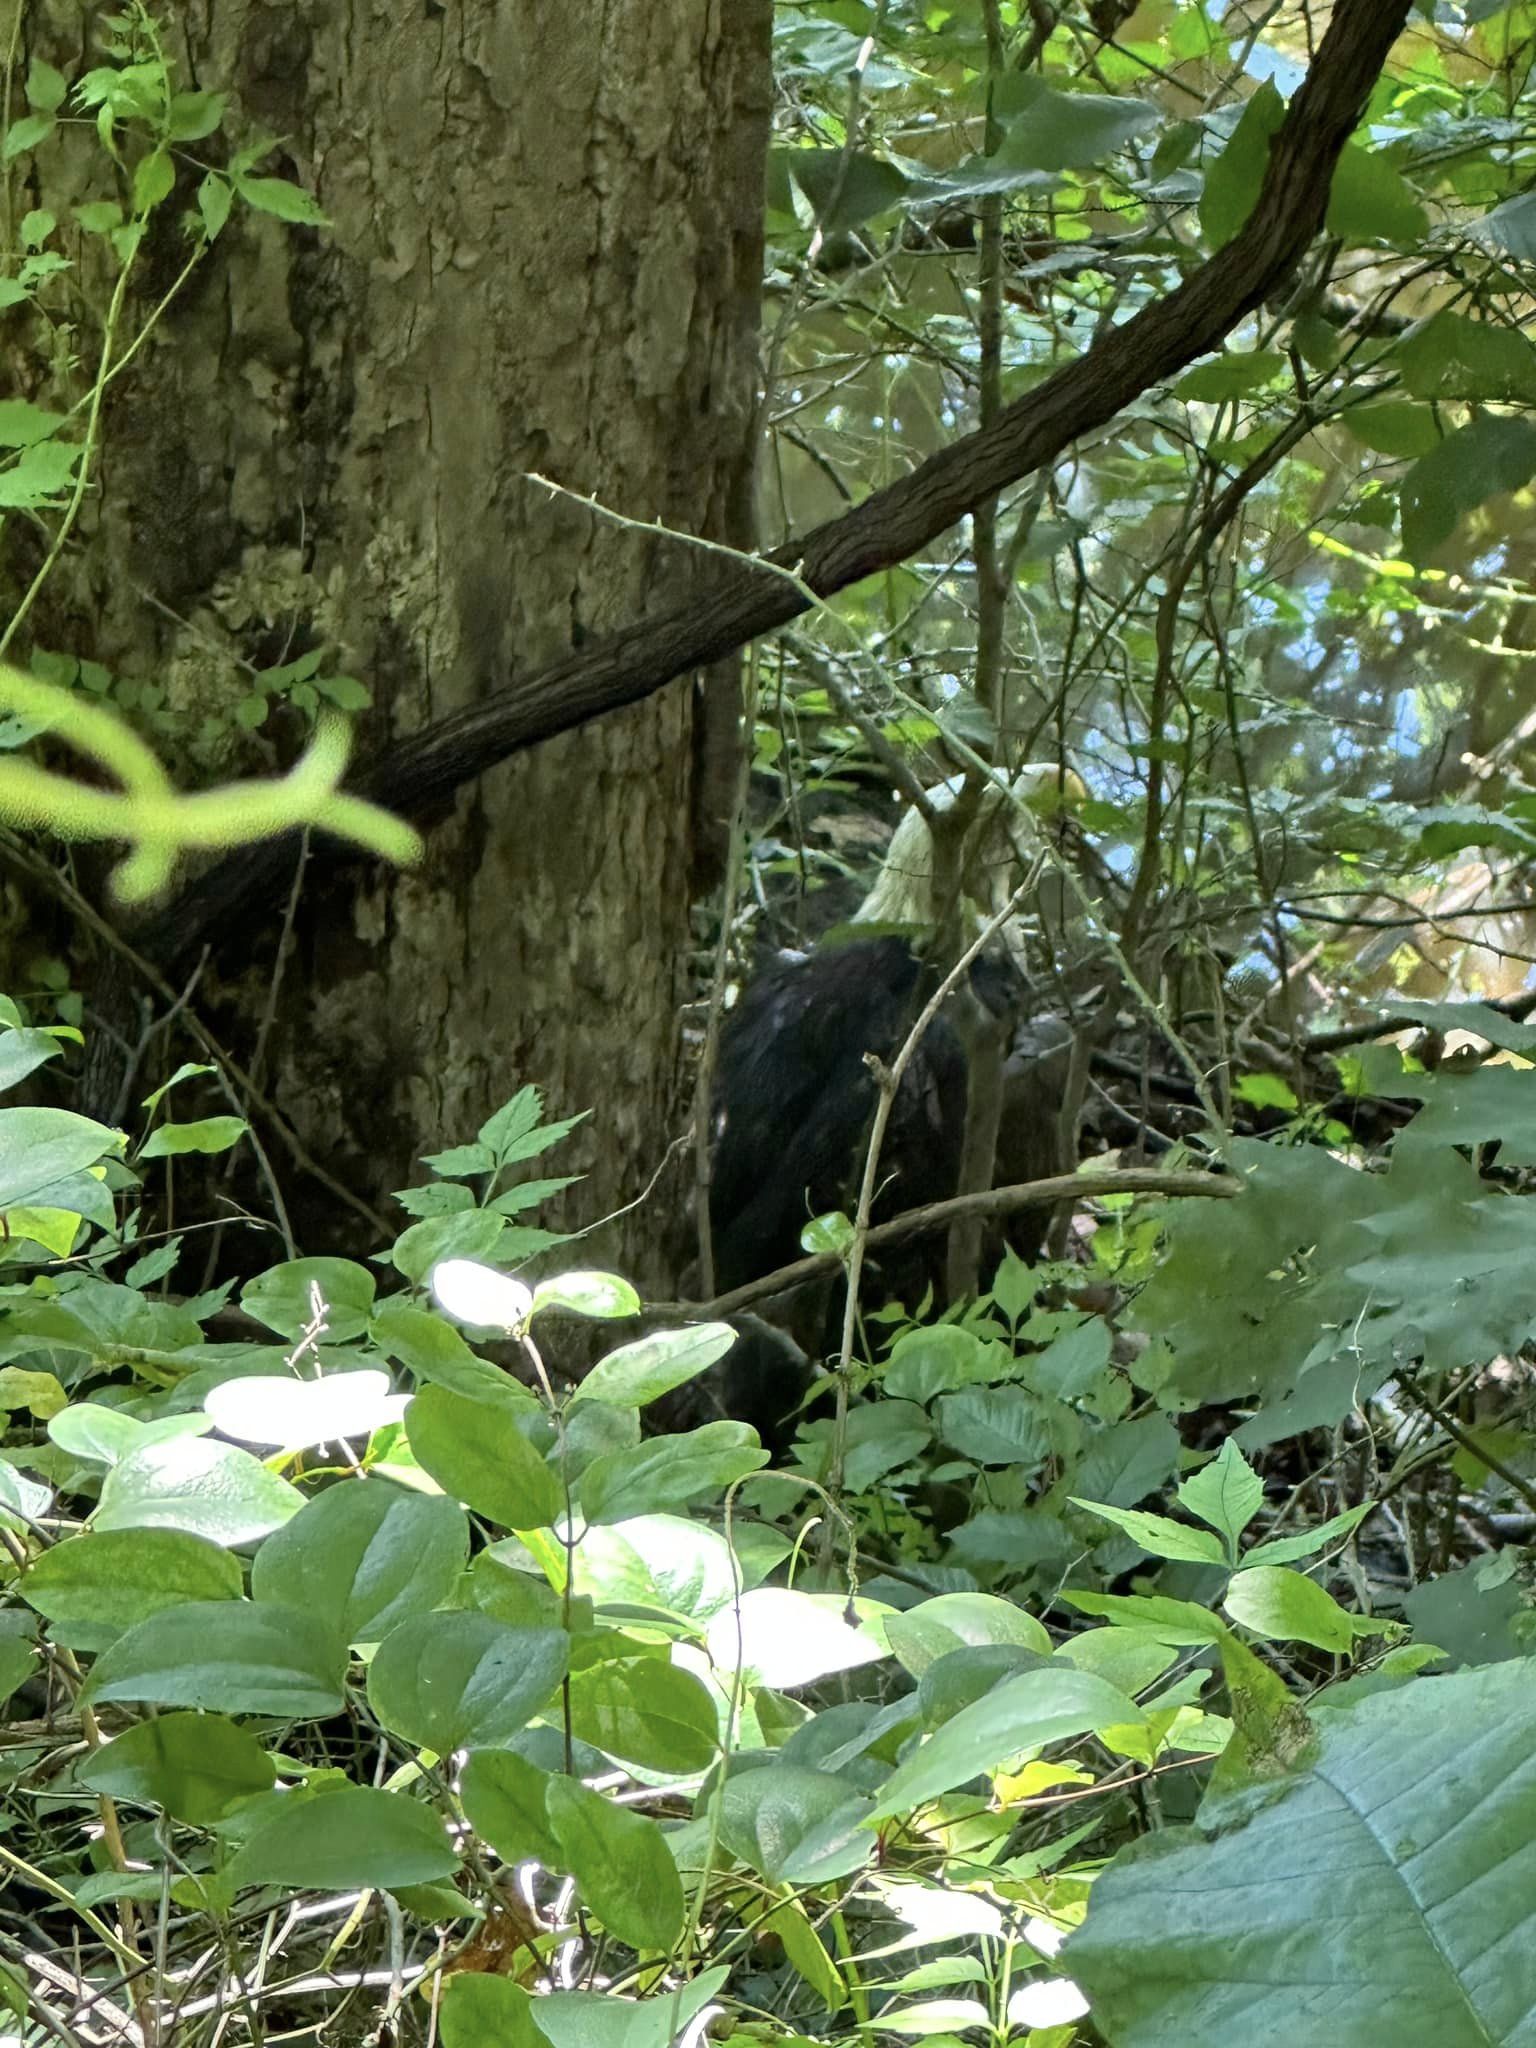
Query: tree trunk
544	258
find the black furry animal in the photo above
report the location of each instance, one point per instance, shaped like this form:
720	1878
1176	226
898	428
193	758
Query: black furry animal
792	1111
794	1100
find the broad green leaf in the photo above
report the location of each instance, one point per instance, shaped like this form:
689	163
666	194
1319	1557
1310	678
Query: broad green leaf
1369	201
489	2012
21	1052
1227	1493
1074	1363
95	1587
603	1295
433	1350
1286	1606
277	1411
621	1863
1159	1536
286	201
1386	1881
209	1134
1452	356
1232	182
1022	1713
937	1360
341	1840
639	1373
363	1556
282	1297
997	1426
1310	1541
478	1454
665	1472
933	1628
462	1680
845	188
1063	131
1492	454
230	1656
1179	1622
786	1639
38	1393
465	1237
1235	375
644	1711
197	1766
198	1486
40	1147
503	1798
661	1561
788	1822
105	1436
479	2011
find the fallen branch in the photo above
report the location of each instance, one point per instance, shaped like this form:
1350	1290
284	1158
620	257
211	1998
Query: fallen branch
937	1216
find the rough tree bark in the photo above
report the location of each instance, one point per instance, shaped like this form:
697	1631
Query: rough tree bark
545	257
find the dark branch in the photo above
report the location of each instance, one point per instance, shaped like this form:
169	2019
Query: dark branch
749	598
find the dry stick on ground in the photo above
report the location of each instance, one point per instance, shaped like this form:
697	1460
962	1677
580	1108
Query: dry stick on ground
751	598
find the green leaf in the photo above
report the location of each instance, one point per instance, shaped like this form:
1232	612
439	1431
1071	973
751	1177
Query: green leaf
209	1134
488	2012
22	424
338	1841
1285	1606
26	134
1232	182
1065	131
286	201
668	1471
1490	455
203	1488
1158	1534
621	1864
645	1711
231	1656
1417	1807
603	1295
845	188
503	1798
952	1621
997	1426
1022	1713
461	1680
1179	1622
153	178
105	1436
1310	1541
45	87
1236	375
364	1556
433	1350
215	197
639	1373
40	1147
1227	1493
199	1767
936	1360
279	1412
95	1587
784	1638
194	115
1454	357
281	1297
1369	201
785	1820
478	1454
